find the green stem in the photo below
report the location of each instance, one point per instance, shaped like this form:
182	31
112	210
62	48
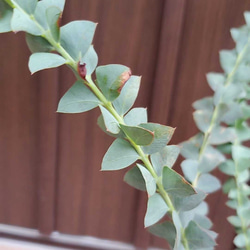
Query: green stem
217	107
108	105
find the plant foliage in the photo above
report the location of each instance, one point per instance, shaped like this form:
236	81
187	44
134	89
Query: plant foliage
137	141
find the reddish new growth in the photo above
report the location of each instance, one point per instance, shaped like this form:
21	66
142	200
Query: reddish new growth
124	78
81	69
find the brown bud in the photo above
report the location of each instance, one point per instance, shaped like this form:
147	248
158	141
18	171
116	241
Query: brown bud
124	78
81	69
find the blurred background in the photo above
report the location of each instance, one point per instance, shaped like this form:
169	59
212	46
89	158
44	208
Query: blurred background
50	177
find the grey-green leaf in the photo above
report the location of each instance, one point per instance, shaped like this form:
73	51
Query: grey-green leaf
128	95
228	60
156	209
28	6
23	22
40	61
91	60
111	78
197	237
76	37
78	99
162	135
208	183
189	168
165	230
111	123
38	44
149	180
175	184
5	17
166	157
136	116
203	119
135	179
140	136
119	155
53	14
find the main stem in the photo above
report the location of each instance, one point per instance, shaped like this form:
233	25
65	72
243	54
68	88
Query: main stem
108	105
216	109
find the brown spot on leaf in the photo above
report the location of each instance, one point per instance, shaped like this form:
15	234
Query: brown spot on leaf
124	78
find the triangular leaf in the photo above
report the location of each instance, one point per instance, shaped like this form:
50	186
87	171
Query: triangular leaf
28	6
208	183
215	80
135	179
228	60
38	44
165	230
5	17
136	116
140	136
162	135
189	168
197	237
111	78
128	95
221	135
149	180
78	99
111	123
22	22
166	157
90	59
53	15
156	209
188	203
119	155
175	184
203	119
76	37
40	61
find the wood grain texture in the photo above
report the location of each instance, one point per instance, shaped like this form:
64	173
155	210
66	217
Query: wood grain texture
50	163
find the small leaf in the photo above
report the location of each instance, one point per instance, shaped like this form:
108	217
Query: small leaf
5	17
156	209
53	15
211	158
78	99
205	103
165	230
128	95
135	179
202	119
111	78
111	123
188	203
42	7
228	167
166	157
38	44
136	116
221	135
76	37
240	240
162	135
101	124
189	168
23	22
234	220
178	227
208	183
149	180
228	185
228	60
197	237
190	149
215	80
140	136
203	221
119	155
40	61
28	6
90	59
175	184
